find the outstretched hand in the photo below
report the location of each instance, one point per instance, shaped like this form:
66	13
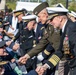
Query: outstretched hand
23	59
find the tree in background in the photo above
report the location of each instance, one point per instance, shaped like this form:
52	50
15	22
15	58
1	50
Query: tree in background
71	6
71	3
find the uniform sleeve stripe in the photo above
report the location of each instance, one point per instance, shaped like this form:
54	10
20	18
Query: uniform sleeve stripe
54	60
46	52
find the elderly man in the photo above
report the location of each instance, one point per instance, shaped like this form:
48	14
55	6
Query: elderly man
58	18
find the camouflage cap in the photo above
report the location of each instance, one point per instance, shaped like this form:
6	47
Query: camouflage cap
40	7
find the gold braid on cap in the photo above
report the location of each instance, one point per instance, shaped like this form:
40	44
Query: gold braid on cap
51	16
18	13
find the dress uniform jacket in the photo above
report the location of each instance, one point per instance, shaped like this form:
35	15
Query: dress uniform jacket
50	36
39	34
71	33
27	38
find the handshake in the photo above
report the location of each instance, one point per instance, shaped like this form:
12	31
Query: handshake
40	69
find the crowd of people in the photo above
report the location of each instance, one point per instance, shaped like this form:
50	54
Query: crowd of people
40	43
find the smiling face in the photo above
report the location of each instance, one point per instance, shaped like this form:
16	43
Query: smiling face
42	16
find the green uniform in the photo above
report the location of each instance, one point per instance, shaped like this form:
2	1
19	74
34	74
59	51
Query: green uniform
51	36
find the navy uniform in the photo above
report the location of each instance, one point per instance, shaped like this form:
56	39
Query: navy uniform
67	44
19	25
27	37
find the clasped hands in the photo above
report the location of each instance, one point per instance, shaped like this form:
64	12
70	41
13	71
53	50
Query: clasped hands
40	69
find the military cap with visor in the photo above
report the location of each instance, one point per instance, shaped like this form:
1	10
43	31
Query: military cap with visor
72	14
19	12
40	7
29	18
55	11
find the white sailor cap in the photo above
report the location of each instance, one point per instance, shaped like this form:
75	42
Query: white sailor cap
72	14
55	11
29	18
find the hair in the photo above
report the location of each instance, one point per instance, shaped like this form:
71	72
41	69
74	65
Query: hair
44	11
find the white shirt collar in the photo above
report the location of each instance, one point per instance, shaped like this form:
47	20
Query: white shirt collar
35	28
64	26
